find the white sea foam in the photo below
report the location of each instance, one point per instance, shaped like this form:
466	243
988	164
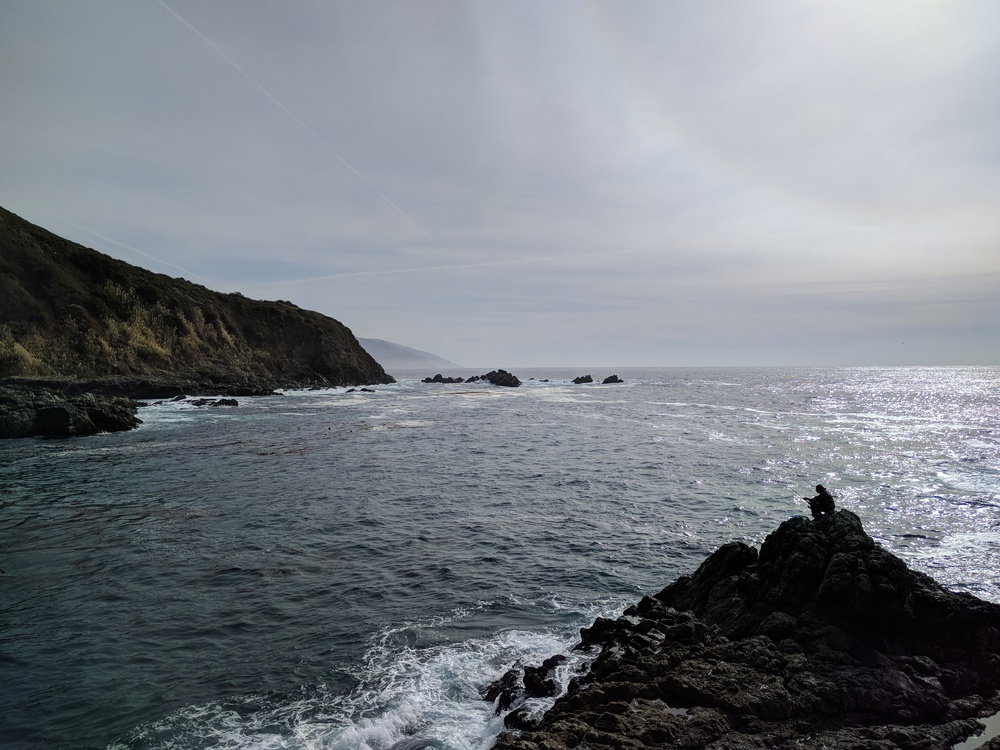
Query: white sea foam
430	697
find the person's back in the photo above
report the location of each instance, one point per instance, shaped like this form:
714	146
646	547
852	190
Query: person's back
822	504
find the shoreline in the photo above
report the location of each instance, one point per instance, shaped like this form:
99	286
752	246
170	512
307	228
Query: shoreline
64	407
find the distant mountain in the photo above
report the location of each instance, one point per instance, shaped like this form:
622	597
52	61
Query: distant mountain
67	311
399	357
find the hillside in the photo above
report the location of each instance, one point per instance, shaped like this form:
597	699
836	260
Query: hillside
67	311
399	357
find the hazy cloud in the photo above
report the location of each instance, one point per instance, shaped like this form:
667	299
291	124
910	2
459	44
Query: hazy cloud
536	183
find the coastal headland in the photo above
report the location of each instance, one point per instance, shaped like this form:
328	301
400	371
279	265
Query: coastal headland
74	321
819	639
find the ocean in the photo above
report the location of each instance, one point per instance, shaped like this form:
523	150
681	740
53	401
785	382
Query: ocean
335	569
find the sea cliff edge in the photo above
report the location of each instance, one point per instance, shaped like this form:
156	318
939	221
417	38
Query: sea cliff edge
84	335
821	639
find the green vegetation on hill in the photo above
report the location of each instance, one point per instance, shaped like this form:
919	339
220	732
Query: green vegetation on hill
69	311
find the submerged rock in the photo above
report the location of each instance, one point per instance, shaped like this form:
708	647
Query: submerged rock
214	402
821	639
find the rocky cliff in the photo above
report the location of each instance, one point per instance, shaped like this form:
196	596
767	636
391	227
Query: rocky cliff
71	314
821	639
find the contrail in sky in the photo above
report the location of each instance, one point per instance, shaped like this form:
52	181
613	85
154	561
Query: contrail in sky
534	260
298	120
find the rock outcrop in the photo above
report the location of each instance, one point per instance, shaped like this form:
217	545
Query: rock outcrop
40	412
822	639
439	378
494	377
214	402
502	377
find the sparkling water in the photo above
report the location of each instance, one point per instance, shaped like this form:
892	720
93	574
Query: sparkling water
334	569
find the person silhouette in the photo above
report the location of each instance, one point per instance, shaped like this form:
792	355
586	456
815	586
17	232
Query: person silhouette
822	504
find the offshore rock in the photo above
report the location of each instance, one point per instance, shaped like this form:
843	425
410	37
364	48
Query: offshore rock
583	379
439	378
502	377
496	377
821	639
37	412
611	379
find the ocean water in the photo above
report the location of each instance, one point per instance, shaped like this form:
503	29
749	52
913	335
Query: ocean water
328	569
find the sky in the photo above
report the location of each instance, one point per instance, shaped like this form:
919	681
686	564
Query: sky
536	182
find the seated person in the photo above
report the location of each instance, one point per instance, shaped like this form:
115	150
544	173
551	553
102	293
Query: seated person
822	504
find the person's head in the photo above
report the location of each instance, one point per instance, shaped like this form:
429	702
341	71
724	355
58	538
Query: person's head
820	488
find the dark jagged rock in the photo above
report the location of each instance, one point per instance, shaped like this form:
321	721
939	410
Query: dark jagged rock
502	377
822	639
495	377
540	681
612	379
520	683
39	412
214	402
583	379
439	378
505	690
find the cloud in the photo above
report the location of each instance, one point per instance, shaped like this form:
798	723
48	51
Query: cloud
563	181
858	104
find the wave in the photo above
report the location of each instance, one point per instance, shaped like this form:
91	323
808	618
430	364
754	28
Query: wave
404	695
